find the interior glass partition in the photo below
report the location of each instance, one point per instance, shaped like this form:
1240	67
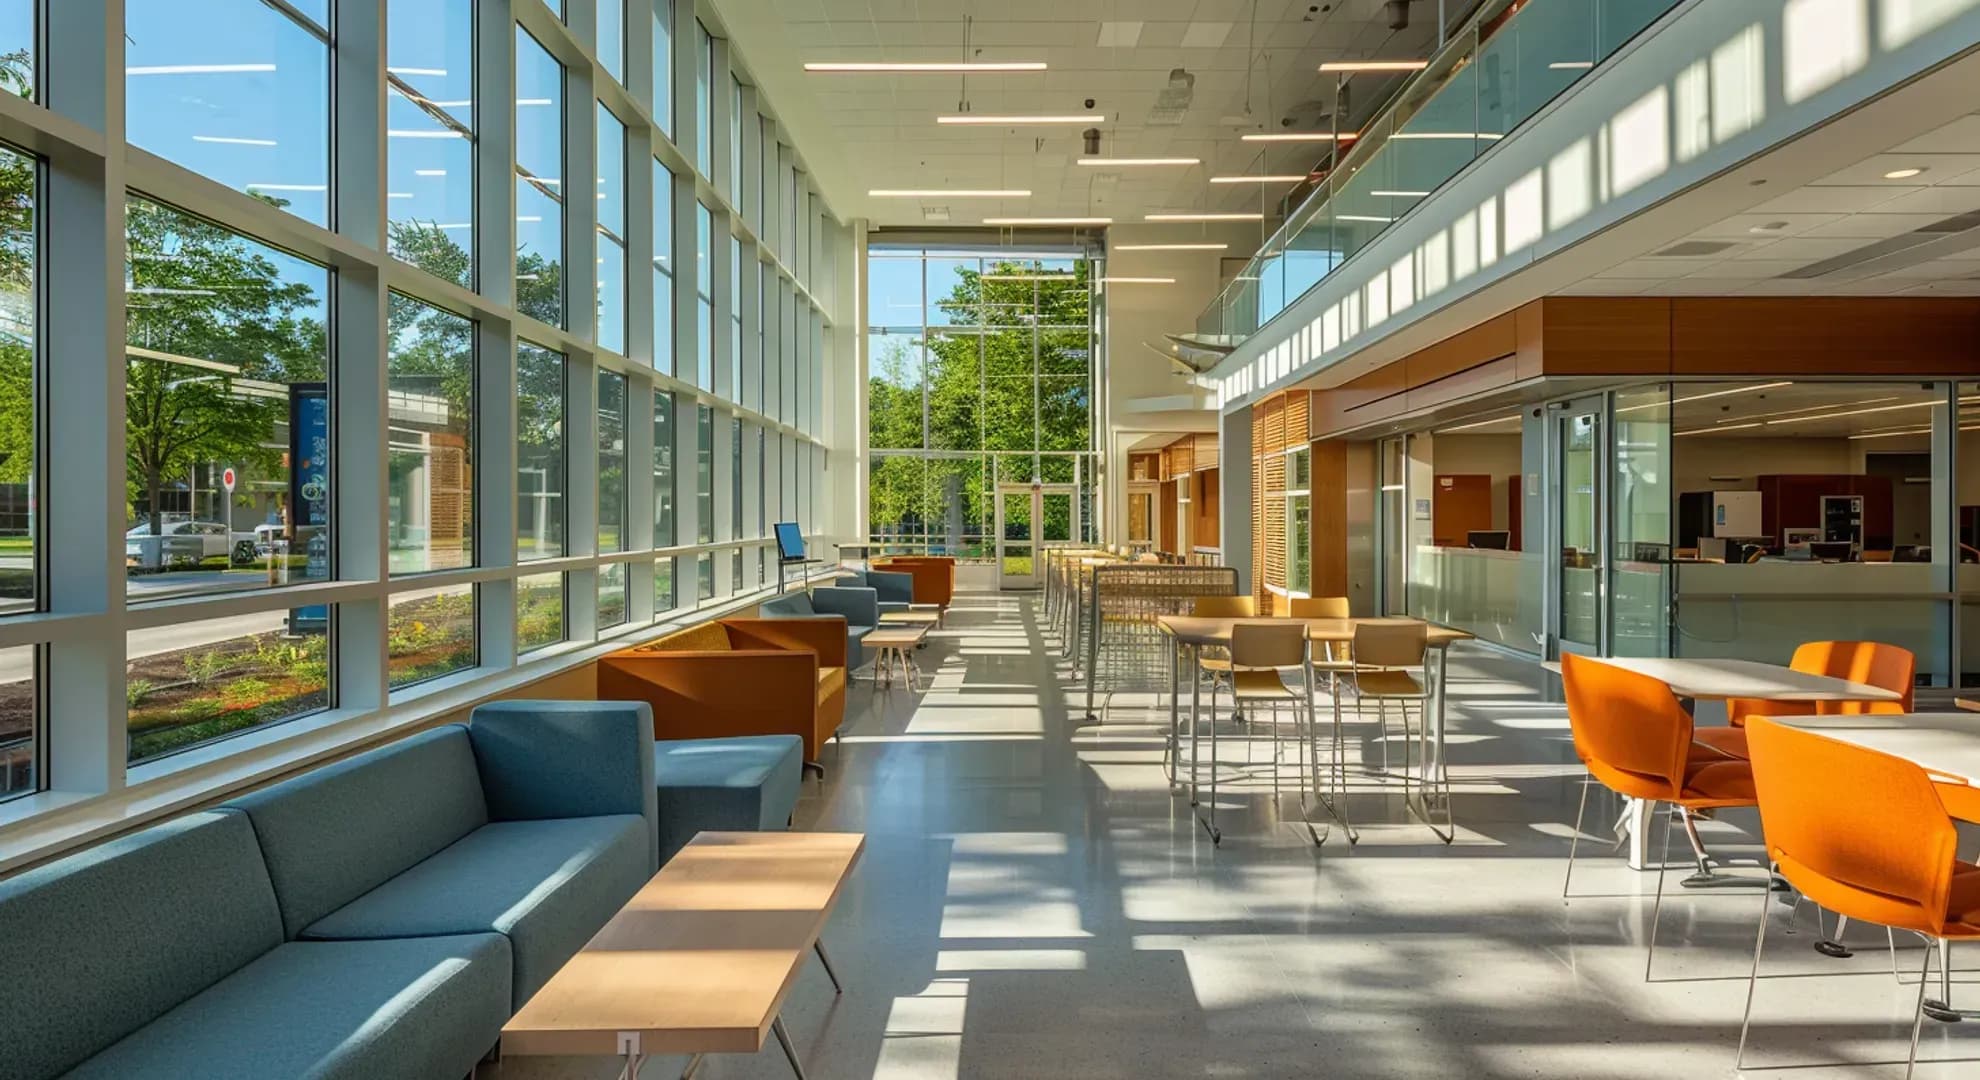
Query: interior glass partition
1461	513
1640	516
1814	511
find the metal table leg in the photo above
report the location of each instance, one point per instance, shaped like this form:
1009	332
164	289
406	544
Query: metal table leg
784	1040
1431	771
1173	750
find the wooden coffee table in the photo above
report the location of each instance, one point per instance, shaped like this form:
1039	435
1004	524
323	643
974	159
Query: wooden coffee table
700	960
894	645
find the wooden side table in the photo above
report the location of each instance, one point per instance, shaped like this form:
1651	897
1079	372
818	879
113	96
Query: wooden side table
894	645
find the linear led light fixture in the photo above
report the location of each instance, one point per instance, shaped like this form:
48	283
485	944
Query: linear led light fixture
1108	162
1282	178
286	187
1480	423
1895	434
1138	280
1856	412
949	193
1203	217
1172	247
1811	409
1300	136
1705	397
1348	67
1377	218
1571	65
1713	430
1026	277
233	140
916	67
1401	194
1022	121
1048	221
438	73
198	69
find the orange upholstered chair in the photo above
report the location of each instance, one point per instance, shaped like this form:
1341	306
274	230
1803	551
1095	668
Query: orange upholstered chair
738	677
934	576
1636	739
1873	663
1885	853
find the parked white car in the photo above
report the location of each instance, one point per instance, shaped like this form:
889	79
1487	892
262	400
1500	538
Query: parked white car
178	541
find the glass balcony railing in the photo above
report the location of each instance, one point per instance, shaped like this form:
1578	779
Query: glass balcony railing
1491	76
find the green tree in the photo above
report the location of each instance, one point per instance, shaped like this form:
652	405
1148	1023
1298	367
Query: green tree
17	288
211	323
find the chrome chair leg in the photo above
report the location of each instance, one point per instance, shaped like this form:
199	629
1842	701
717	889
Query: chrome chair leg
1574	839
1697	846
1918	1020
1657	907
1752	979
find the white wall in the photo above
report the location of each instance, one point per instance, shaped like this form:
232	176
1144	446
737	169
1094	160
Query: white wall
1143	393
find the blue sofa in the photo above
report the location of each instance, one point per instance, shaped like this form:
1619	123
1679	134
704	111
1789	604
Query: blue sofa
378	917
743	783
858	606
895	591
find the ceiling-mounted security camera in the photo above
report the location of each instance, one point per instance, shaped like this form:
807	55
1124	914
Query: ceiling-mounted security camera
1398	12
1092	137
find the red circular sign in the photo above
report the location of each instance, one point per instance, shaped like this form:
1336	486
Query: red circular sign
227	478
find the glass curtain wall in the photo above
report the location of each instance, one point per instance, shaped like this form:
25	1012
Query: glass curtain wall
980	372
491	410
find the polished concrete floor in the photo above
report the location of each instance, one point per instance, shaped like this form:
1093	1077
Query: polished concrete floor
1035	901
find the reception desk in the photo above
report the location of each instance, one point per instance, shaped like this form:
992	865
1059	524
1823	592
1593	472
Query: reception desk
1496	595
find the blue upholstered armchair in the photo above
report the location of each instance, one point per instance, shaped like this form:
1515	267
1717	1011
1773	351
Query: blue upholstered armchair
859	607
895	591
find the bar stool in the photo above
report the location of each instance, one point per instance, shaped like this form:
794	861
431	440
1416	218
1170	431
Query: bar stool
1382	654
1261	654
1216	668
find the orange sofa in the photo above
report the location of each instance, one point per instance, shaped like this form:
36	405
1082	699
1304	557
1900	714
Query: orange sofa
738	677
934	576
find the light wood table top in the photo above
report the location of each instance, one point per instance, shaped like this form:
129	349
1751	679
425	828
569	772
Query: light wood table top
1198	630
896	635
1946	745
1718	680
910	618
701	958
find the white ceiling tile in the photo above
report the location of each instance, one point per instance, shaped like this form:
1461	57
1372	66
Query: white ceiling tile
1118	35
1656	268
1871	172
1942	201
1742	226
1826	200
1804	248
1874	226
1962	136
1750	269
1206	35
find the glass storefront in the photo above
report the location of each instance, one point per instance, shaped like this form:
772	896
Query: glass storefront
1730	518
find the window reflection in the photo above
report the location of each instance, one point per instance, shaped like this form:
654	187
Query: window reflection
17	49
539	452
704	324
539	182
240	94
611	231
227	423
663	65
430	447
663	470
612	37
611	595
611	461
429	149
19	422
663	268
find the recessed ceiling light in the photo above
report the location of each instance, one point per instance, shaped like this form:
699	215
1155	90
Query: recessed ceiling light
919	67
1903	174
198	69
944	193
1350	66
1364	217
1767	227
1021	121
1136	161
1300	136
1048	221
1203	217
1171	247
1282	178
1028	277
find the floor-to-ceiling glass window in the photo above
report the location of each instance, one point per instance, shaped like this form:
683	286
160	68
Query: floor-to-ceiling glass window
980	372
306	458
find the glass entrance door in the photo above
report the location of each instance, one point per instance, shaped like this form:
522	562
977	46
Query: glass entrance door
1582	547
1031	517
